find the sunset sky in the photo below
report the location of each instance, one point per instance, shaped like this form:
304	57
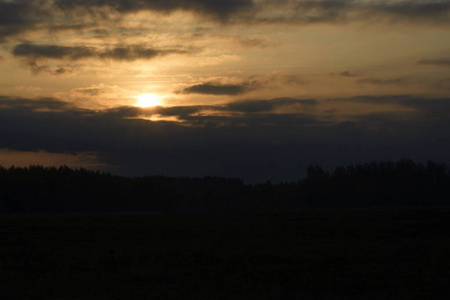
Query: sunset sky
256	89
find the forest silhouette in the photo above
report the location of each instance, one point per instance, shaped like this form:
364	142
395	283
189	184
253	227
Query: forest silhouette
405	183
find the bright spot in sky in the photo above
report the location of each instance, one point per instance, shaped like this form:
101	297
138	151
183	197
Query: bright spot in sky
147	100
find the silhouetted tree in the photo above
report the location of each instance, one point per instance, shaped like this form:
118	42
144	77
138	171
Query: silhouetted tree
37	189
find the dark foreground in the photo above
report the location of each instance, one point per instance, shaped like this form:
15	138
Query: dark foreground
309	255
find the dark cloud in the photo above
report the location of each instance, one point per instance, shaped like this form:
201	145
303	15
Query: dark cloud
255	144
343	11
385	81
200	113
348	74
46	103
444	62
119	53
291	79
217	88
267	106
244	41
253	42
60	70
221	9
182	112
21	16
431	107
54	70
423	10
95	90
217	115
34	52
435	109
33	55
252	83
16	17
131	53
137	147
443	84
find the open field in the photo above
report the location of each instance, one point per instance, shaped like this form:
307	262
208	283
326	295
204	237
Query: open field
315	255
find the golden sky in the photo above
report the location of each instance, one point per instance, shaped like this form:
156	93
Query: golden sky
226	64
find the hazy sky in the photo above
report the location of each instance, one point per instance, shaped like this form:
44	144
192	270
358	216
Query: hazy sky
256	89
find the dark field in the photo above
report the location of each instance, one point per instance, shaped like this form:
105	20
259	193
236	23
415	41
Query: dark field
309	255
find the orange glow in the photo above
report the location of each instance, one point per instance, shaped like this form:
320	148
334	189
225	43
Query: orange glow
147	100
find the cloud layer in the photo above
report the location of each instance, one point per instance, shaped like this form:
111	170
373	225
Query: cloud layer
250	88
255	140
221	9
118	52
445	62
20	16
217	88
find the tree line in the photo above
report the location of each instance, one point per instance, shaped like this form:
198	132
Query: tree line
405	183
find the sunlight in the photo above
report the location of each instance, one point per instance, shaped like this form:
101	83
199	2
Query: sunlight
147	100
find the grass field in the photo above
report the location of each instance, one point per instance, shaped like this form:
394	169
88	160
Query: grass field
305	255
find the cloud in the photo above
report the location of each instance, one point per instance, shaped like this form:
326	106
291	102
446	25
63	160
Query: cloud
32	51
199	114
348	74
220	9
217	88
20	17
140	147
46	103
135	52
99	96
96	90
58	69
443	84
438	107
415	10
16	17
247	139
117	53
444	62
344	11
385	81
255	41
33	55
268	106
288	79
15	158
229	86
231	113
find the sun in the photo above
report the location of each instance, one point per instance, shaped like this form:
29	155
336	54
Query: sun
147	100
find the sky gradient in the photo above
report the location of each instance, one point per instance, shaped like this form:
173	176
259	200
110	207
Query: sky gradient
256	89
